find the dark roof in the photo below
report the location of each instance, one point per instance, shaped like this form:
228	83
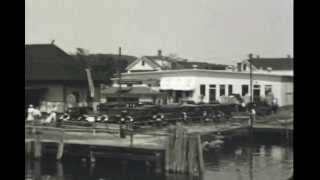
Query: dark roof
184	64
274	63
48	62
200	65
130	91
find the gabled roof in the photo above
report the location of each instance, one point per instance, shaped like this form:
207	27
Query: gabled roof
274	63
149	59
177	64
48	62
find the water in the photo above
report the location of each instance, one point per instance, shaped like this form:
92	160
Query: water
265	160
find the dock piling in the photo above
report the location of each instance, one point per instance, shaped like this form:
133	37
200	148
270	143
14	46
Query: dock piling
37	147
28	147
60	150
200	155
92	157
158	167
184	153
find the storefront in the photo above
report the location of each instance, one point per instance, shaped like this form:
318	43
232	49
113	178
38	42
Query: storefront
210	86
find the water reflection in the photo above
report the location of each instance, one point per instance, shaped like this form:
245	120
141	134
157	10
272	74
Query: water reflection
253	162
238	162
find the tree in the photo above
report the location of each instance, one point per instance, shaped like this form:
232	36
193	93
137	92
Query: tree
82	55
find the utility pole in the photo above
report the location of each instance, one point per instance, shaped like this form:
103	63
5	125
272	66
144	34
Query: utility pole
119	74
251	94
119	67
251	121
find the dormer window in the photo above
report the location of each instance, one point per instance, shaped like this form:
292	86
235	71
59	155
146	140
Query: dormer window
142	63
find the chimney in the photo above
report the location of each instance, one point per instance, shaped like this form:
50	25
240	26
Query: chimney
257	56
250	56
159	53
288	56
119	50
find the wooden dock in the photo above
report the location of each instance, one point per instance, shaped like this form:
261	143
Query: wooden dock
176	149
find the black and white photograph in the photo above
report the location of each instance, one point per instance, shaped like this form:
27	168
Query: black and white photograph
159	90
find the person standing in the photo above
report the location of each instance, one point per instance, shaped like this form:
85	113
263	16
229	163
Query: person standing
274	105
37	114
252	116
30	111
52	116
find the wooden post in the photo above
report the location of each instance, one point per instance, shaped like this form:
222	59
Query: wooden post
94	128
34	131
59	169
287	129
192	156
92	158
170	149
37	147
28	145
184	153
176	152
37	169
60	150
131	138
158	167
200	155
177	149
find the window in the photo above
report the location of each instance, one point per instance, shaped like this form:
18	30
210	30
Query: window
212	86
230	90
256	92
267	90
222	90
244	67
202	90
245	89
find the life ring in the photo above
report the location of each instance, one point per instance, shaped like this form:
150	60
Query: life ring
65	117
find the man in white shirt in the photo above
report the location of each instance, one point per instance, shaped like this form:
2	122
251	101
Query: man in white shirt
30	116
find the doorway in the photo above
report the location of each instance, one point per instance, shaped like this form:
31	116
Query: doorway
212	93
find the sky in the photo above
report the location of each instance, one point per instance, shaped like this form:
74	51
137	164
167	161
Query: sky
217	31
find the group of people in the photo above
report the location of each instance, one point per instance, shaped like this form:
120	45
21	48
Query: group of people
35	115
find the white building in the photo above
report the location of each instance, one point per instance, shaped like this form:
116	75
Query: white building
209	85
206	85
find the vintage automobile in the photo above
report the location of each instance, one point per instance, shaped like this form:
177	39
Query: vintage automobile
143	115
170	113
76	112
193	113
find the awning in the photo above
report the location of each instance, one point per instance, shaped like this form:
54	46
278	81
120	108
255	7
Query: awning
178	83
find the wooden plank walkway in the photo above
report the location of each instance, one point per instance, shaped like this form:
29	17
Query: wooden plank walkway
150	139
